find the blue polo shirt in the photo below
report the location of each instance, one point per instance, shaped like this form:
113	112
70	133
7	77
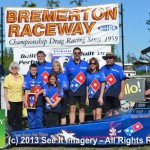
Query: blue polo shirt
93	81
38	85
44	70
52	92
114	75
63	82
76	74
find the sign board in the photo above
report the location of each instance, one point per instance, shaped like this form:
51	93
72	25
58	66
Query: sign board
134	90
26	56
40	27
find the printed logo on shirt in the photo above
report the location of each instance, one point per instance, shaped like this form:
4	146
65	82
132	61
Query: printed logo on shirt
94	86
110	80
54	97
37	88
77	81
53	100
45	75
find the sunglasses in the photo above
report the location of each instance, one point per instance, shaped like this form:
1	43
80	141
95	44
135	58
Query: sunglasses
77	53
92	63
108	58
14	68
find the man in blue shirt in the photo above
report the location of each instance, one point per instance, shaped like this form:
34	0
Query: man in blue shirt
44	67
115	85
76	70
33	85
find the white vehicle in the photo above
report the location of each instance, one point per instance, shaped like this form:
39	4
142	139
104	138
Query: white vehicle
128	69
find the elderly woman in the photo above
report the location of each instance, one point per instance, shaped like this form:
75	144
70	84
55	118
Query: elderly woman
13	93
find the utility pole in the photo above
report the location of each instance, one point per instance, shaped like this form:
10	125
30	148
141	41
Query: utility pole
122	35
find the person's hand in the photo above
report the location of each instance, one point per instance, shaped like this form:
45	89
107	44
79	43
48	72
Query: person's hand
8	106
120	97
25	104
53	105
36	96
100	100
87	101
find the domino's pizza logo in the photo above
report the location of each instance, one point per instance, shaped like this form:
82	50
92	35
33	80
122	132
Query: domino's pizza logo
37	88
45	75
53	100
94	86
77	81
110	80
54	97
134	128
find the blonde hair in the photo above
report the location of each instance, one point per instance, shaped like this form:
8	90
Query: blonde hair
56	62
13	64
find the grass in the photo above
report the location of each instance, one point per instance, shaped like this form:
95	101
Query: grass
147	147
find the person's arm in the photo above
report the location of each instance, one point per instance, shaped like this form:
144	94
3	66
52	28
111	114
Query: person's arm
56	103
122	90
6	98
87	98
100	99
37	94
48	100
26	98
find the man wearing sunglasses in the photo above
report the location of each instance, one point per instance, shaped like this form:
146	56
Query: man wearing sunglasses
76	70
115	85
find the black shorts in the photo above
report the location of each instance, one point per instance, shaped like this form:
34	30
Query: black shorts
93	102
111	102
64	103
73	100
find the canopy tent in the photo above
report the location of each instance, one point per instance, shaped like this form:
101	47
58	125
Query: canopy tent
143	68
145	51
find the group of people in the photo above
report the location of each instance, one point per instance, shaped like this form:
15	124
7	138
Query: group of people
54	88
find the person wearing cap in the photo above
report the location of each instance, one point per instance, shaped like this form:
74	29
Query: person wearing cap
115	85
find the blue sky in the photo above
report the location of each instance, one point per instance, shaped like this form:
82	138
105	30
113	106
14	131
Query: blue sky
136	12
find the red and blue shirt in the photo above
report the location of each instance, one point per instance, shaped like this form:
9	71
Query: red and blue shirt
76	74
114	75
44	70
93	81
38	84
52	92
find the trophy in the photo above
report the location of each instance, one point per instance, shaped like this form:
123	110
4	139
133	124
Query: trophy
31	96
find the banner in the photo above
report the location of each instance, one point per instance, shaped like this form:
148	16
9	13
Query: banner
2	128
134	90
40	27
26	56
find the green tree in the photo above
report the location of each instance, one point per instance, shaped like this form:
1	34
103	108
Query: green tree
77	2
148	23
8	58
51	3
27	4
131	58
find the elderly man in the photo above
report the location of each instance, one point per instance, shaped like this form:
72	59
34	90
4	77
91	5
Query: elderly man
115	85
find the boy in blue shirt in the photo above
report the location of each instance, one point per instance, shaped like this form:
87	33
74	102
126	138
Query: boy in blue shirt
34	83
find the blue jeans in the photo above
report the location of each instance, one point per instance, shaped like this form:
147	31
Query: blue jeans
35	118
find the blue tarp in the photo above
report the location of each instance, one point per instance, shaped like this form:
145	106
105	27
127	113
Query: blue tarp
143	68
